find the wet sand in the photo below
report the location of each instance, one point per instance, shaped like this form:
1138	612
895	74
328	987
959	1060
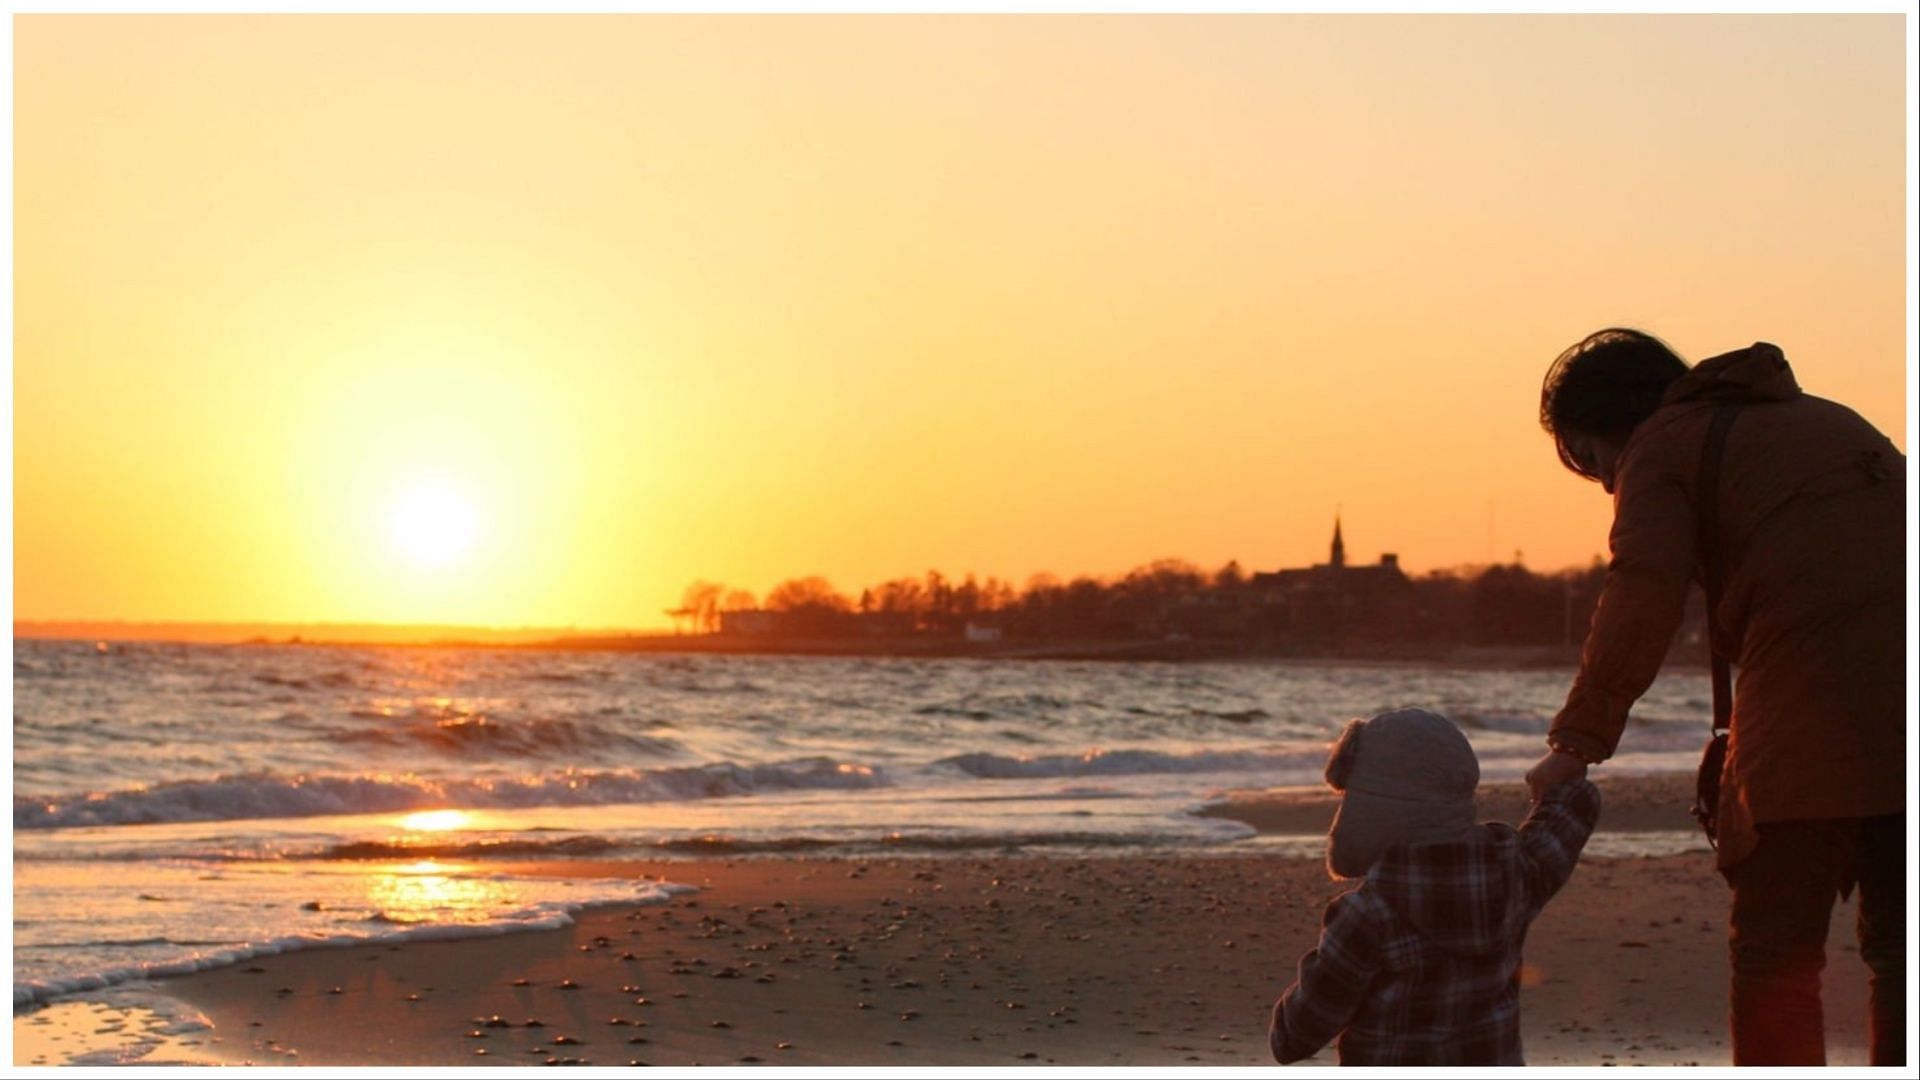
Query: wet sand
1631	804
1015	960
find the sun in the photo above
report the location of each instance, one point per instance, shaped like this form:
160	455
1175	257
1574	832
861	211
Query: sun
436	821
432	525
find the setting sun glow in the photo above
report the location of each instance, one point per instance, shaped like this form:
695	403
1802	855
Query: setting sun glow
528	322
433	526
434	821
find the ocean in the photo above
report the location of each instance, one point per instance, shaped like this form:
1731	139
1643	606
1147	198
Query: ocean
182	806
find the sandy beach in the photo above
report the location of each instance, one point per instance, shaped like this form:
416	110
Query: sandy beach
1005	961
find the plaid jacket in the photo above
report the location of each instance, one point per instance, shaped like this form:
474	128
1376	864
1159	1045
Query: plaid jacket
1420	965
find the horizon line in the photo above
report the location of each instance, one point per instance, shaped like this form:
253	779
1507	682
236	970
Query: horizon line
200	631
415	632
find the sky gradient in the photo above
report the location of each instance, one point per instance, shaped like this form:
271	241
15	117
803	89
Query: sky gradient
638	300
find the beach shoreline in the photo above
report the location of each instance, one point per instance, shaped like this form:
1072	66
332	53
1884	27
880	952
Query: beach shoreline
1020	959
1036	960
1649	803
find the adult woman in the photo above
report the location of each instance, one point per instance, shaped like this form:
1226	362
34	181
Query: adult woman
1810	504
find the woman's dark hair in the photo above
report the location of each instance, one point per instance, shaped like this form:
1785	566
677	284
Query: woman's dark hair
1603	387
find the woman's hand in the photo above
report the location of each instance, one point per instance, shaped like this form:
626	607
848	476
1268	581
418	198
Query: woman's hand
1551	771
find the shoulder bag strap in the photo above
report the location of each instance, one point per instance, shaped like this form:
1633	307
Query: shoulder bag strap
1712	569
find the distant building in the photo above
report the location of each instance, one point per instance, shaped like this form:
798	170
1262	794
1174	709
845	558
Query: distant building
981	633
1332	602
1334	572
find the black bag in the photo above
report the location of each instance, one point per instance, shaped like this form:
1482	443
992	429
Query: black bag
1706	786
1713	761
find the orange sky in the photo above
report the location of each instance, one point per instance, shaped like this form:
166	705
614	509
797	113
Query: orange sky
638	300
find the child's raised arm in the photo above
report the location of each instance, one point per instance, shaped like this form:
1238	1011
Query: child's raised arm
1553	835
1333	979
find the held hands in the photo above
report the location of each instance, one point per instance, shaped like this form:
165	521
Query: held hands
1551	771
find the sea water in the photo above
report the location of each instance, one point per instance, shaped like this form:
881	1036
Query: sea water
183	806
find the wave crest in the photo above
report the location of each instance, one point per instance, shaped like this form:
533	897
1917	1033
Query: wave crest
478	735
1128	762
276	795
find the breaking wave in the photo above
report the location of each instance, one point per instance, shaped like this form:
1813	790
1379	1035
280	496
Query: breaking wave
274	795
1131	762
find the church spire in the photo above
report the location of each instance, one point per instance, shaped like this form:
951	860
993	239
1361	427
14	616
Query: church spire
1339	546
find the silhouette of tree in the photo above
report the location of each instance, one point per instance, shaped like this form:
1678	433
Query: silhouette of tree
700	603
1164	578
939	595
997	595
966	598
806	594
900	596
1503	605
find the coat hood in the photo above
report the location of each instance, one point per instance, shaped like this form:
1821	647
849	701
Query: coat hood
1405	777
1758	372
1425	885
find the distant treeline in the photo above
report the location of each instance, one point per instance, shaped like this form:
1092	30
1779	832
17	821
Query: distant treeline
1317	611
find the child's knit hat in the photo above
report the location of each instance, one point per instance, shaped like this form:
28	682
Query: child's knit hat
1405	777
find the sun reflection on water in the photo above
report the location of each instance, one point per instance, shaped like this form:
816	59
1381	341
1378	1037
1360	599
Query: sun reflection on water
432	891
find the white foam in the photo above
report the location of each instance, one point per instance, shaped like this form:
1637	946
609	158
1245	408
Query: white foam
546	915
1128	762
130	1025
277	795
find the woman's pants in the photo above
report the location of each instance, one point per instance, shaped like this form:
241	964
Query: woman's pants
1783	898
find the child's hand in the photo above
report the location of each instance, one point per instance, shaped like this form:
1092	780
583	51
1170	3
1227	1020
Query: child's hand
1551	771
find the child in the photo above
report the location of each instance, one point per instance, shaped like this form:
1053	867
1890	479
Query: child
1420	965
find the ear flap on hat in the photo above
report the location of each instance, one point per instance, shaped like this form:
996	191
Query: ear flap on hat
1345	751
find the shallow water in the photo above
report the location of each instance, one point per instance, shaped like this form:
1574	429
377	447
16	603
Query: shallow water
176	806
